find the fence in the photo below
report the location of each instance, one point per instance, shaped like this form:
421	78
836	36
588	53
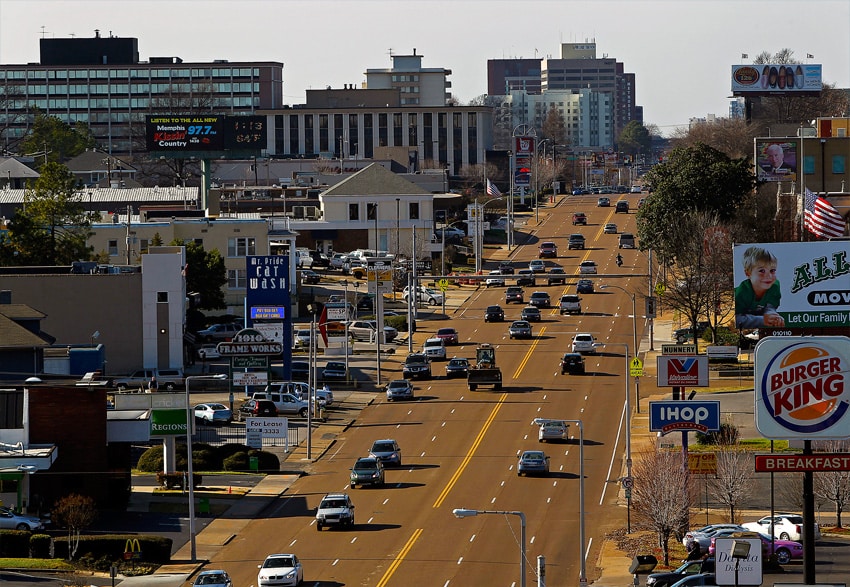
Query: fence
217	435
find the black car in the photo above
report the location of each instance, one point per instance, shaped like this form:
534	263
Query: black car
494	314
416	365
540	299
531	314
687	569
556	275
334	371
584	286
457	367
309	277
572	363
366	303
514	294
255	408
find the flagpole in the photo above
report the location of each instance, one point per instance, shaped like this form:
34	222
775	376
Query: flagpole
802	170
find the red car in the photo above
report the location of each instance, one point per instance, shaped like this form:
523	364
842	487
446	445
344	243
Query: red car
548	249
579	218
449	335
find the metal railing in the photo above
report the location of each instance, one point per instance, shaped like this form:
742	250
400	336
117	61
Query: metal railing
218	435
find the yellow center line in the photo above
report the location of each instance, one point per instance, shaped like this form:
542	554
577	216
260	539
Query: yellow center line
398	559
471	451
527	356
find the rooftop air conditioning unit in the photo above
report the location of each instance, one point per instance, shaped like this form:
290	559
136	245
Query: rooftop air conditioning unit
298	211
311	212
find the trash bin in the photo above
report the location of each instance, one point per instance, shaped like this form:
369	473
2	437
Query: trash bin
204	505
318	410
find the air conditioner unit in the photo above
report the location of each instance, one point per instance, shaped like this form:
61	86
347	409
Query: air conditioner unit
298	211
311	212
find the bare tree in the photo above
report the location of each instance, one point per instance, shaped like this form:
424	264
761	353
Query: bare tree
834	486
662	495
732	136
77	512
732	483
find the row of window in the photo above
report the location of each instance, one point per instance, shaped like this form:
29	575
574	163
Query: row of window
354	211
144	89
125	103
140	73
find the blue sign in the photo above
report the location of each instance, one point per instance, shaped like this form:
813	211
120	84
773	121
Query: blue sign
268	313
670	416
267	288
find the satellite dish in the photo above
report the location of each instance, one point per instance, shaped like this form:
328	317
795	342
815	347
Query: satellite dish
32	380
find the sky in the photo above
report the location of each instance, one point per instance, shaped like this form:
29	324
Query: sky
681	51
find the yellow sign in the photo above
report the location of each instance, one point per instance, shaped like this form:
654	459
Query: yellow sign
132	549
702	463
660	288
443	284
636	367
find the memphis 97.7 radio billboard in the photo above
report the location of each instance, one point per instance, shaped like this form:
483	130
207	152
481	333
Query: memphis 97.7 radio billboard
176	133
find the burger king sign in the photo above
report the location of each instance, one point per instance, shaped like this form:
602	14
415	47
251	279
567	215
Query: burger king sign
801	387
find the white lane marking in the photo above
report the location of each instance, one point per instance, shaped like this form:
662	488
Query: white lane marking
369	521
385	501
471	538
293	542
433	438
532	540
554	484
422	454
548	500
409	412
460	560
493	500
333	564
589	544
525	437
613	454
443	424
446	583
353	540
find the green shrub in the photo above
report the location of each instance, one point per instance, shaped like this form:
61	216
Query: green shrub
14	543
266	461
151	460
236	462
96	550
40	546
727	435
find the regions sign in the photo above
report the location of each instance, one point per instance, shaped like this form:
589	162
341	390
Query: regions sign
671	416
781	463
792	285
682	371
168	422
776	79
800	387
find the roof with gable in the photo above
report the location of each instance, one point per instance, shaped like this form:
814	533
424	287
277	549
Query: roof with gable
375	180
11	167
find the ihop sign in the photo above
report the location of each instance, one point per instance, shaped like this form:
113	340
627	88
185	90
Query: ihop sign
801	387
684	416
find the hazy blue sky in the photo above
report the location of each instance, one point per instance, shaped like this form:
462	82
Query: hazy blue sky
680	50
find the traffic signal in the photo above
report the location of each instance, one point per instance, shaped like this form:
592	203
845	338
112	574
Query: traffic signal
650	307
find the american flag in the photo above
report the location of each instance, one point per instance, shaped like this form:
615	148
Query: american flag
492	189
821	217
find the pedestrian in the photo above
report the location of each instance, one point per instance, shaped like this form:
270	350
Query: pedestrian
693	548
153	385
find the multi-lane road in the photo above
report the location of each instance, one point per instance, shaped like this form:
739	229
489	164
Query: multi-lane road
460	448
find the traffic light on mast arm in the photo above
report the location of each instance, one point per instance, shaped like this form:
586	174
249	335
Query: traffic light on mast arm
650	307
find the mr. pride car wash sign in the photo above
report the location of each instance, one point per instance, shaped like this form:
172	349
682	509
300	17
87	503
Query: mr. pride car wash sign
801	387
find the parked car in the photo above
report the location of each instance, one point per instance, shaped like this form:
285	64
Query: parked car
425	295
569	304
579	218
576	241
366	471
531	313
334	371
506	268
540	299
622	206
587	268
572	363
494	314
219	332
387	451
399	389
365	330
310	277
603	202
537	266
556	275
584	286
519	329
702	536
514	293
208	352
256	408
434	349
10	520
457	367
583	343
335	509
167	379
548	249
495	279
280	569
532	462
301	338
300	370
609	228
526	277
785	526
449	335
416	365
696	580
213	413
687	569
216	578
319	260
551	430
785	550
288	404
338	261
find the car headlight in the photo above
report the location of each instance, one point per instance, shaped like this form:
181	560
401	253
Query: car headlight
290	574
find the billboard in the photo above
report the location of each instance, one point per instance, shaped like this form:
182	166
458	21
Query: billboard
778	78
800	388
776	160
177	133
792	285
682	371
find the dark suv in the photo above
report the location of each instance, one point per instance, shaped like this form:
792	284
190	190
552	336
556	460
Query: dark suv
416	365
514	294
494	314
255	408
506	268
576	241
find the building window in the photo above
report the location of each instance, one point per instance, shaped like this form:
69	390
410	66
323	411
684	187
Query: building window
414	210
236	278
162	297
354	211
241	246
144	245
112	248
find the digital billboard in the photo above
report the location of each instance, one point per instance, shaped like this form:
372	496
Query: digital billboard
792	285
776	78
776	160
177	133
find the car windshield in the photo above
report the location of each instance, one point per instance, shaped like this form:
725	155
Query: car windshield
366	464
458	362
340	366
211	579
217	406
332	503
280	562
382	447
446	331
532	456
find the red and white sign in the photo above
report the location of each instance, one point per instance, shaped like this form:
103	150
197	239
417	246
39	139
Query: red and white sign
682	371
800	387
778	463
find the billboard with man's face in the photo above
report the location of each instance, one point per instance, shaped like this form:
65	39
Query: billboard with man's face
776	160
792	285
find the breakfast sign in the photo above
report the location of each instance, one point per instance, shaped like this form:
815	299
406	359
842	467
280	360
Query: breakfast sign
801	387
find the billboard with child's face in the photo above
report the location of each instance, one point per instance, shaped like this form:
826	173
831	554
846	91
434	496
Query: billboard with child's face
792	285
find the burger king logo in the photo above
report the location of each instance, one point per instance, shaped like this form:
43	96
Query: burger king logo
802	386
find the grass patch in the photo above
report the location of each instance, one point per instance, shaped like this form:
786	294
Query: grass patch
37	563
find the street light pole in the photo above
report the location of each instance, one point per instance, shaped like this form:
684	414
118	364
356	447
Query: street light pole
190	471
465	513
582	578
628	430
634	337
